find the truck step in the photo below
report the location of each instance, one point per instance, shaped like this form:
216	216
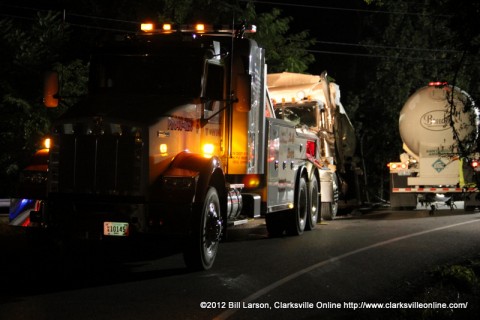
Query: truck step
237	222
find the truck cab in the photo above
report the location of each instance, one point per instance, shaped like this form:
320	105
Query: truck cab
176	137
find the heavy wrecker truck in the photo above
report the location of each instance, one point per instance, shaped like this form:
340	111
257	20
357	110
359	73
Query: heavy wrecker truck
176	137
312	102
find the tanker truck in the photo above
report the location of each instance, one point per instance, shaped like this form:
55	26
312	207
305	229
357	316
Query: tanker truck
439	126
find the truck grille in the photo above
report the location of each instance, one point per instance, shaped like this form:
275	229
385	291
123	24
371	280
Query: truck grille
96	158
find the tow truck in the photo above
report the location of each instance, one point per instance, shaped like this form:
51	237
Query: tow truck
176	137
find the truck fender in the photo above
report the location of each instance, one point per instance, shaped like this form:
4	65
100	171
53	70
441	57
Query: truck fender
302	171
207	170
207	173
314	172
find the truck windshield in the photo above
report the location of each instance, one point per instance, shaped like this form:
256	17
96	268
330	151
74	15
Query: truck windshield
299	114
146	74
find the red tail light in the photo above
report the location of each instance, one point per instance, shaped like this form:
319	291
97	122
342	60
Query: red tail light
474	164
310	148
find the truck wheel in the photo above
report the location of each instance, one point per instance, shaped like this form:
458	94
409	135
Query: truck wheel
313	204
330	209
297	219
202	246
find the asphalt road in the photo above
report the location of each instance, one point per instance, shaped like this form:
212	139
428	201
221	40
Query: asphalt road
322	274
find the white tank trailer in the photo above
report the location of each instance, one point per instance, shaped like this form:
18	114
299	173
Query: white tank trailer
439	127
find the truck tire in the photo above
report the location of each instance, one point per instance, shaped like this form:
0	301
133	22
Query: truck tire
202	245
297	218
330	209
313	204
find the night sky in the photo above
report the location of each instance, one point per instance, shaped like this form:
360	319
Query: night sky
337	26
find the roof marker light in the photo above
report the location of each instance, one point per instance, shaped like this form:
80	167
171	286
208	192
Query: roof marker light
146	27
437	83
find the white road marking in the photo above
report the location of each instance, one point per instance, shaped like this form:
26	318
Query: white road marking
228	313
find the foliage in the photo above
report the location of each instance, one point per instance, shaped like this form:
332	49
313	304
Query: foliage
30	49
190	11
284	51
414	43
462	277
449	284
73	80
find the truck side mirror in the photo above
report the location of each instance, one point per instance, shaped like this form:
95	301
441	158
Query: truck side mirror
50	90
215	82
244	93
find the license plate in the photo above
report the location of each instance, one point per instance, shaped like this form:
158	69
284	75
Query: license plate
115	229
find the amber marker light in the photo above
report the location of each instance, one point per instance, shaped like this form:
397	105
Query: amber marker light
163	148
251	181
47	143
208	149
146	27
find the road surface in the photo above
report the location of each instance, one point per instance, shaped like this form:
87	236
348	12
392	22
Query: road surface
326	273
